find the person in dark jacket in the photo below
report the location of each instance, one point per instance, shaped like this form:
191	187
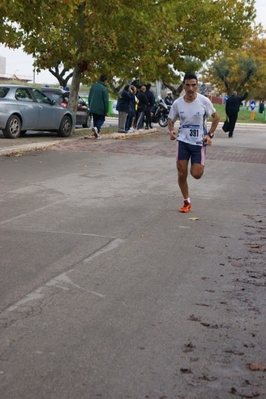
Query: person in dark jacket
123	107
261	107
150	96
232	108
132	111
142	107
169	99
98	103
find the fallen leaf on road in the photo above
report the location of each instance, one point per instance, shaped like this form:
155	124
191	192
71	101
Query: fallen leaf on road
209	325
143	235
234	351
193	219
202	304
194	318
254	245
244	393
185	371
188	347
194	383
256	367
208	377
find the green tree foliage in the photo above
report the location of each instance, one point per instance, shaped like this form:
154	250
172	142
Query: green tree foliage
233	72
149	39
240	69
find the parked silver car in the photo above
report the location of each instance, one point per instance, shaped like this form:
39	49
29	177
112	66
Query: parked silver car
25	108
60	96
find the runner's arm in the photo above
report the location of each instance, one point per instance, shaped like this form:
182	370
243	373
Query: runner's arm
215	121
171	129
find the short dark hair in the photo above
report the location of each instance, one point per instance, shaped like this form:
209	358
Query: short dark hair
148	86
103	78
190	75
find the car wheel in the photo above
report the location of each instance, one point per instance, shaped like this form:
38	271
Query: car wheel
65	127
88	122
13	127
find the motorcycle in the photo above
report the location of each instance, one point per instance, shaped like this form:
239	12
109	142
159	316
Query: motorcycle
160	112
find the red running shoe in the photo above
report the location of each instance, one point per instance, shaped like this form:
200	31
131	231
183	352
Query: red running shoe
186	207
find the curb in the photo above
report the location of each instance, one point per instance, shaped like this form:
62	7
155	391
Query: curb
24	148
21	149
118	136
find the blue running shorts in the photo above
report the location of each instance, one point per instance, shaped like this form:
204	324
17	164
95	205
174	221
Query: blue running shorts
186	151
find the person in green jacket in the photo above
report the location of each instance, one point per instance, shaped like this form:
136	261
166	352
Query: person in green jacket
98	103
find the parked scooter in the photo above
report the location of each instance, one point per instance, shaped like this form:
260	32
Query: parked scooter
160	112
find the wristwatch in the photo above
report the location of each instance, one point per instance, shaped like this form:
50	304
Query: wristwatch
211	135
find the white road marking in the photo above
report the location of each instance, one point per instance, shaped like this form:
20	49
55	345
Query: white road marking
63	278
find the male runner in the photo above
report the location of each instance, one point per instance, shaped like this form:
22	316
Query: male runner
192	109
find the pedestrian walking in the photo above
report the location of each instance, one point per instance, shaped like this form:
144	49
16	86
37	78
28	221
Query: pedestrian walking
98	102
192	110
232	108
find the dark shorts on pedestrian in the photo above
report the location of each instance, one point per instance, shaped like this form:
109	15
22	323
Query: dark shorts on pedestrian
195	153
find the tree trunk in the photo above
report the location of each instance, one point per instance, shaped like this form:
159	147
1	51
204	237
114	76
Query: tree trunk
175	90
74	91
61	76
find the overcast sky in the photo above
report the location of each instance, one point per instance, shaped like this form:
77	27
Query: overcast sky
19	63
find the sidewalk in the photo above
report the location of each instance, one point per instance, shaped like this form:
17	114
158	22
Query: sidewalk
41	141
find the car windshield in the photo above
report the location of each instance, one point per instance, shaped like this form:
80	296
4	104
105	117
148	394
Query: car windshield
40	97
3	91
53	96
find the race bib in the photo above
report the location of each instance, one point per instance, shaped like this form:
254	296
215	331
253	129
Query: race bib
192	132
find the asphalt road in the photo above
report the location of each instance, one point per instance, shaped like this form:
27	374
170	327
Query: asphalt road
107	291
